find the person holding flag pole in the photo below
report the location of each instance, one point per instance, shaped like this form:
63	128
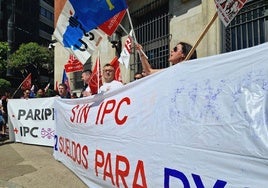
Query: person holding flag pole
184	51
25	84
178	54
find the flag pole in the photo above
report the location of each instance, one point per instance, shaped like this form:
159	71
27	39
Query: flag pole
16	90
20	86
131	25
98	70
122	27
134	36
201	36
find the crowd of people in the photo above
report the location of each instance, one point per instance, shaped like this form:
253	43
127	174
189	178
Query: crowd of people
177	55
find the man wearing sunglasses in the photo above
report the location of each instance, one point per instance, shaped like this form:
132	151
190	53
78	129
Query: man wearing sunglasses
177	55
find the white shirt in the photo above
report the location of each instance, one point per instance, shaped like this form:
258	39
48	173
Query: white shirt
113	85
87	92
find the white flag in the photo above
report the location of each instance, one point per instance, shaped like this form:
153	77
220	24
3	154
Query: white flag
125	54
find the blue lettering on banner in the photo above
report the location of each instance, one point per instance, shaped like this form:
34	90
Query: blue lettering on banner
56	142
181	176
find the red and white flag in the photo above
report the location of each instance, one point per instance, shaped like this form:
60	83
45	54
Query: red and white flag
73	64
111	25
96	79
27	82
228	9
115	64
125	54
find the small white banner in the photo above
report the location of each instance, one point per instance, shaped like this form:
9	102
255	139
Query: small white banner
32	120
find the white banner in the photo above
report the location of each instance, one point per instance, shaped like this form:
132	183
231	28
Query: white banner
32	120
201	123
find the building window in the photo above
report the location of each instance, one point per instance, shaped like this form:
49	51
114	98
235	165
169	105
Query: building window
248	28
152	32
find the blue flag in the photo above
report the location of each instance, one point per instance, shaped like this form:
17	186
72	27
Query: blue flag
65	80
88	15
92	13
78	24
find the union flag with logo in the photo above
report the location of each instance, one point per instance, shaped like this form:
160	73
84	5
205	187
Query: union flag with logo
115	64
27	82
96	79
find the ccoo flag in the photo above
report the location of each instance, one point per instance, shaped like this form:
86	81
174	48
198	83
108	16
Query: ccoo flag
115	64
27	82
96	78
125	54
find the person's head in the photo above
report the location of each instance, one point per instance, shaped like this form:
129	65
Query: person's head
40	93
108	73
74	95
26	93
137	76
86	75
180	52
62	89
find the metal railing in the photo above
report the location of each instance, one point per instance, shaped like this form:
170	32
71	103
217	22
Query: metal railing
154	36
248	28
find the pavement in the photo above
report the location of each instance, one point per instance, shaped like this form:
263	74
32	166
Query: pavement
33	166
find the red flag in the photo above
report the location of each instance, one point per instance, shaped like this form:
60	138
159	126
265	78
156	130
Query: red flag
95	80
111	25
73	65
27	82
115	64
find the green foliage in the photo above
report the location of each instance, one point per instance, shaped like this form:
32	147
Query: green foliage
32	53
4	85
4	50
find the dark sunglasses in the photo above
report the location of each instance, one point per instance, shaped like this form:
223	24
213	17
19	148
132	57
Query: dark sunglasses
108	70
175	49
